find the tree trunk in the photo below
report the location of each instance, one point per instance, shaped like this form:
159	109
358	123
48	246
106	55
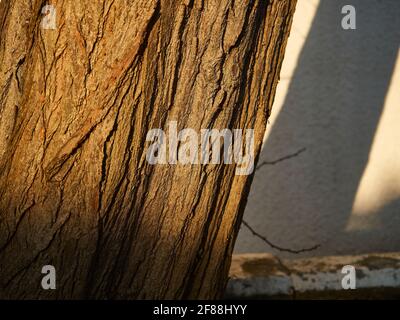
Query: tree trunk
76	104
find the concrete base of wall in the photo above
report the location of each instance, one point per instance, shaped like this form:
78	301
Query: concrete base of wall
264	276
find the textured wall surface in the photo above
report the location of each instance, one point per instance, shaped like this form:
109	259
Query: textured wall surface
339	98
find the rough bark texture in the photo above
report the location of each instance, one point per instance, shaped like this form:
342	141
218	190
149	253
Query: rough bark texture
76	104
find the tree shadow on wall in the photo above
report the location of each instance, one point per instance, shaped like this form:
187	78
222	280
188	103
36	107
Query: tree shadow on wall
332	108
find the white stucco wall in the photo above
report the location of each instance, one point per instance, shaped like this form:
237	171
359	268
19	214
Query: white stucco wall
339	97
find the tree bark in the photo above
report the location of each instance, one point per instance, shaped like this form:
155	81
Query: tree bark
76	103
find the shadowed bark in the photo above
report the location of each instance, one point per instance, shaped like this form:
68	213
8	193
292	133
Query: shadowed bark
76	104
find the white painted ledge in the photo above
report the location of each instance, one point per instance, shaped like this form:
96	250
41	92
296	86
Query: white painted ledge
263	275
